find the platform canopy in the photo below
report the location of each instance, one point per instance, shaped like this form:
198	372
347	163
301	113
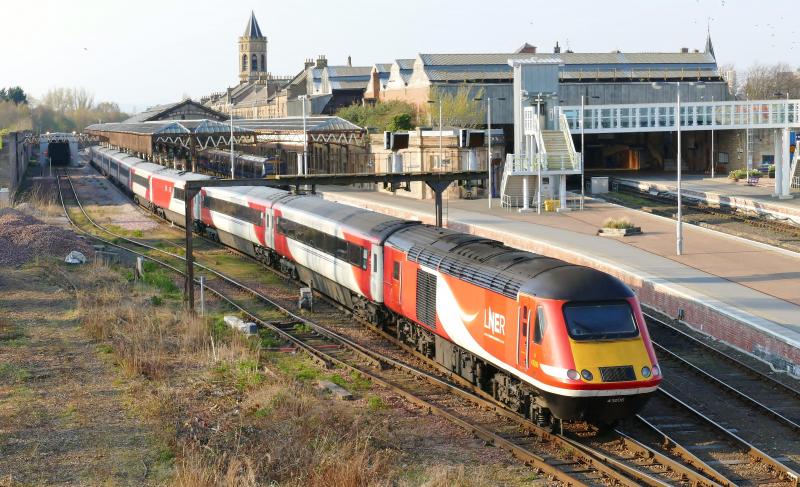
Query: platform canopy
324	129
144	137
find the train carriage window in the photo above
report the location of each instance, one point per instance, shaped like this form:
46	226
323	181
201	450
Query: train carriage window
374	262
539	326
396	270
178	193
330	244
141	180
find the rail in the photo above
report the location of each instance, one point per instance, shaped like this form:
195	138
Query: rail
571	465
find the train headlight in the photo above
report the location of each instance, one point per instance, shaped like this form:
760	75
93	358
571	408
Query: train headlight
586	375
573	374
656	371
646	372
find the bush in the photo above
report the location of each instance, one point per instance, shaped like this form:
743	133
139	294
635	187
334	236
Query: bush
619	223
771	171
738	174
390	115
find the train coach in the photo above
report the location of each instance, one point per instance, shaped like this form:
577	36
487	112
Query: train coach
551	340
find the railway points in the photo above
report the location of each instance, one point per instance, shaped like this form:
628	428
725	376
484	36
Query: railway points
745	296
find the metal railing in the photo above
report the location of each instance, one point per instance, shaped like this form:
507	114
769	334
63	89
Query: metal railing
796	182
660	117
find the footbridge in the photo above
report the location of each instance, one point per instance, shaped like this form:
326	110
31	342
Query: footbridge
552	166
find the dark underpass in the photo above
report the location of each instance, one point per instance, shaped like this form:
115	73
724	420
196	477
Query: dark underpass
58	153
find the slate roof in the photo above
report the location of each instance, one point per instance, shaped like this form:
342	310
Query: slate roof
252	30
153	113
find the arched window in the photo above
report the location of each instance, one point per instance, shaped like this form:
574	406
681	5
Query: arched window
244	62
263	63
255	62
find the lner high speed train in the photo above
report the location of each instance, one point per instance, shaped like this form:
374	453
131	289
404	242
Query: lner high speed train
546	338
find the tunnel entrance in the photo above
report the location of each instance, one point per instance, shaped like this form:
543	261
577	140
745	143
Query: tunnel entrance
58	153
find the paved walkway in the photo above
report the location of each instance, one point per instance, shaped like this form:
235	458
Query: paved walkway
754	282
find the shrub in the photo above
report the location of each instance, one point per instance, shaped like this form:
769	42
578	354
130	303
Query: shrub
619	223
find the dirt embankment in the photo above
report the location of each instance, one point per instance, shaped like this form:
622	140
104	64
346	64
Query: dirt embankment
24	237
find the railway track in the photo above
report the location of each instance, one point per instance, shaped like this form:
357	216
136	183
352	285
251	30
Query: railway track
618	459
785	235
562	460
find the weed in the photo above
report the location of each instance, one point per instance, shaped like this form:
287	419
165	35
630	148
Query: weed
299	367
161	281
269	339
156	300
105	348
247	375
14	373
619	223
262	413
375	403
303	328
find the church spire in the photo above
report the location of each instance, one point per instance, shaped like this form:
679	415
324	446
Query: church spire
709	45
252	31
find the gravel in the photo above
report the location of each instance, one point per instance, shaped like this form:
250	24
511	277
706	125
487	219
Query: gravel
23	238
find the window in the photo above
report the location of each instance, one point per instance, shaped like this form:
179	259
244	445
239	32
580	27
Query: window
722	157
255	63
600	321
244	62
374	262
539	326
396	271
141	180
234	210
330	244
178	193
124	172
263	63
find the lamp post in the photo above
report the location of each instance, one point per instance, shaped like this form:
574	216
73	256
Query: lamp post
679	225
303	166
233	174
441	155
713	162
489	142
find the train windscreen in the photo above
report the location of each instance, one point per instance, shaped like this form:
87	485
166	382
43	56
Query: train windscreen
600	321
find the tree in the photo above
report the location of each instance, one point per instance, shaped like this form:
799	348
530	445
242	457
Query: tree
763	81
14	94
459	108
389	115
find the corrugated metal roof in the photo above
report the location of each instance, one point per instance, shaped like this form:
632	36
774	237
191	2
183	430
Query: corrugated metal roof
571	58
349	71
151	112
468	74
405	63
295	124
349	85
383	67
638	74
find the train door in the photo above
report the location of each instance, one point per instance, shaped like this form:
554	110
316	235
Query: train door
539	328
523	336
376	274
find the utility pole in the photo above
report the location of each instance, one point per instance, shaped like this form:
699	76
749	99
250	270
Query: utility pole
713	163
489	147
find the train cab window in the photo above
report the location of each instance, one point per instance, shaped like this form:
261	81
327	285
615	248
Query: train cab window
396	271
364	258
539	326
600	320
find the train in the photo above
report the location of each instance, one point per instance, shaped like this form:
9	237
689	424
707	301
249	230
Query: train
551	340
218	163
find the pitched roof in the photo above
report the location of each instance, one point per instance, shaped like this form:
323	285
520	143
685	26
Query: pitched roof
252	30
295	124
405	63
467	59
349	71
383	67
158	111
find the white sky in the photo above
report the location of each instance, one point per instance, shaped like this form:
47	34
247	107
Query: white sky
143	52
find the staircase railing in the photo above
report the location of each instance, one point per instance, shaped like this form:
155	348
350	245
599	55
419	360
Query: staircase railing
573	156
541	150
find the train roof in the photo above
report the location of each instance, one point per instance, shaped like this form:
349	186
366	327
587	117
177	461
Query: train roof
262	193
492	265
365	222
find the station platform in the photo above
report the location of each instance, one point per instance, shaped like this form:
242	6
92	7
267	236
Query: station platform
720	191
744	293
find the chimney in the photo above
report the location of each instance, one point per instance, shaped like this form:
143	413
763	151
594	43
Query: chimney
349	61
557	49
684	50
309	63
322	62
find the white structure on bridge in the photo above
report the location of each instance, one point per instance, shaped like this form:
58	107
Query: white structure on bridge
549	155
